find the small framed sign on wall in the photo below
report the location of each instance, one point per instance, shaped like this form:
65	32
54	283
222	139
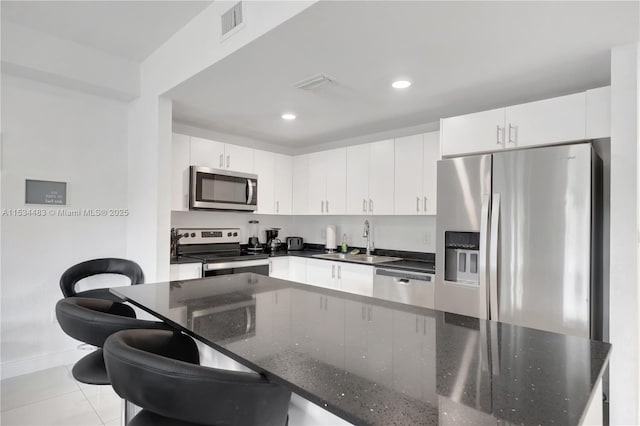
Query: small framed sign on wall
45	192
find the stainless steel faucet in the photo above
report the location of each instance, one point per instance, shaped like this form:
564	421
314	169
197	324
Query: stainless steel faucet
367	234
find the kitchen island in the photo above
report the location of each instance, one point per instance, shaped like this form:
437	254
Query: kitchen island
370	361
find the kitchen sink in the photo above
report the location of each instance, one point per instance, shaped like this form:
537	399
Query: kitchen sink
360	258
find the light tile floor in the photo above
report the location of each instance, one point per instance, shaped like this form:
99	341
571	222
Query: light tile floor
54	398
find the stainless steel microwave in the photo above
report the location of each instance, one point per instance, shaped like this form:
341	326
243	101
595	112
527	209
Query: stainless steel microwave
214	189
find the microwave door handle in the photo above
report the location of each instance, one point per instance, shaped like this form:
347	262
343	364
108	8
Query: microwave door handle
250	191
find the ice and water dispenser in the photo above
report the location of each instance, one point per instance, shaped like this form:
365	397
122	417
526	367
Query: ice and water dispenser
462	253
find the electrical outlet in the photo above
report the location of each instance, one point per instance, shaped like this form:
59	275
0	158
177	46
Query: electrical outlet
427	237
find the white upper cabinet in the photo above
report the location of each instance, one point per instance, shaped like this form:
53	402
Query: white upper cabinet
283	183
471	133
381	177
336	174
218	155
264	167
370	178
300	184
416	159
206	153
550	121
599	113
326	189
274	182
546	122
180	172
316	183
358	179
238	158
431	155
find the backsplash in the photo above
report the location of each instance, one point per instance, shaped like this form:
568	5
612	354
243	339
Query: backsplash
412	233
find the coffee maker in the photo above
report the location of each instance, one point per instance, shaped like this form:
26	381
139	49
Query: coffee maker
273	243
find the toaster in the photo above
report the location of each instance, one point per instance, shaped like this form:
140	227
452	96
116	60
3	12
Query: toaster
294	243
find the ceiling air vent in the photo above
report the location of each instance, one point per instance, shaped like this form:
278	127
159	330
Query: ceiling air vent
231	18
314	82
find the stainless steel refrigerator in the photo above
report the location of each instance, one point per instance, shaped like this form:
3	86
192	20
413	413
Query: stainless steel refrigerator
519	238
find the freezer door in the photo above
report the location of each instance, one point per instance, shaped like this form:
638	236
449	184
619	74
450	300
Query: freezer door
464	190
544	239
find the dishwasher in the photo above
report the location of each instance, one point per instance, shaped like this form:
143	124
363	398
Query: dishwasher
397	285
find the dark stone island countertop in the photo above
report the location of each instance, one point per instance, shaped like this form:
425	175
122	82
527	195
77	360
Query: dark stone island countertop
372	361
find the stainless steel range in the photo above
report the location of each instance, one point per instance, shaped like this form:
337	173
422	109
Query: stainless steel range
220	251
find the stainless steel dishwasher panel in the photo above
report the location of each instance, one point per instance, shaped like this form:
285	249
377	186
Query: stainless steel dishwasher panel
412	288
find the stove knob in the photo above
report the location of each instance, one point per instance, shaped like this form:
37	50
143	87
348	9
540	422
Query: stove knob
186	235
235	234
193	235
229	234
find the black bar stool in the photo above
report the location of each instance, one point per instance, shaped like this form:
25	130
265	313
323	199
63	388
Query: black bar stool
160	372
92	321
82	270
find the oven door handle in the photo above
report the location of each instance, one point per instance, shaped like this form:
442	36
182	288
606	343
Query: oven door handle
238	264
250	191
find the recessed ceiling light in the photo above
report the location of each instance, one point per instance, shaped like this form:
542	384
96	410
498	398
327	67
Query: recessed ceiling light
288	116
401	84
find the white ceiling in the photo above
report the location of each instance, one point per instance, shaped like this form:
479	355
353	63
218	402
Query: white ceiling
461	57
129	29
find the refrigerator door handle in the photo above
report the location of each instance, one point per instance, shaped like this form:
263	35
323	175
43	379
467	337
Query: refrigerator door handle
493	259
483	261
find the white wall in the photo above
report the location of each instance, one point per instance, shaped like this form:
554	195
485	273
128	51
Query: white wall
65	63
52	133
412	233
624	328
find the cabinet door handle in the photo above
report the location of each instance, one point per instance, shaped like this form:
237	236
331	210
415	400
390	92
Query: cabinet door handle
417	204
370	205
321	206
425	204
363	315
364	205
228	161
369	313
320	302
327	203
513	130
499	141
277	206
333	271
417	320
339	272
270	266
221	160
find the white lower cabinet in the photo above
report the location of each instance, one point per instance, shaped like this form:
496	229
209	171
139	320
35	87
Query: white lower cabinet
321	273
356	279
185	271
279	267
343	276
297	269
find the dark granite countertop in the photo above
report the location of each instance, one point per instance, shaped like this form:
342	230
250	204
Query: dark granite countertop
372	361
182	259
425	265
